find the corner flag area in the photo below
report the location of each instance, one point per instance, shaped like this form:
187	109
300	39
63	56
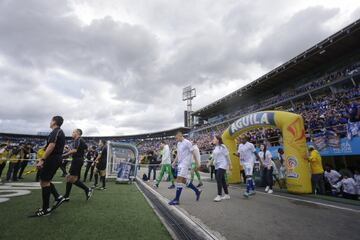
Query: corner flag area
119	212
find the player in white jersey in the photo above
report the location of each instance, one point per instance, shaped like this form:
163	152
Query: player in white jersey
194	168
357	181
348	186
165	165
184	159
247	153
332	176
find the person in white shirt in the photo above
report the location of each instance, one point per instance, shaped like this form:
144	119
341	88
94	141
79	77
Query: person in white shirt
348	185
247	154
357	181
194	169
242	171
222	163
265	159
165	165
184	160
331	176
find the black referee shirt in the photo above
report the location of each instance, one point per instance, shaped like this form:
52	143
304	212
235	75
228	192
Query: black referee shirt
57	136
103	156
152	159
91	156
80	146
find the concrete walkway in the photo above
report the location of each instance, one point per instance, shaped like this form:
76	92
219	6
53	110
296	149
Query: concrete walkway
265	216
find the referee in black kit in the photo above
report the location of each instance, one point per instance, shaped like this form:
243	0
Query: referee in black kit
77	152
49	164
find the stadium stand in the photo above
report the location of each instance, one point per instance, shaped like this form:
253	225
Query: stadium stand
144	142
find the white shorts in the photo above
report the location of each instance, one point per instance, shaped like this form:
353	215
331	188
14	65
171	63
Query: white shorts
183	171
248	169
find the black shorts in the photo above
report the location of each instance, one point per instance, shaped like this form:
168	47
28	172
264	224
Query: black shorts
101	166
76	165
51	165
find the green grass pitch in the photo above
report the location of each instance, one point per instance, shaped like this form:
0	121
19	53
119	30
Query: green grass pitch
120	212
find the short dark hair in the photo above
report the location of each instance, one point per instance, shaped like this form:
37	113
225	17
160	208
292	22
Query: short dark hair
179	132
243	136
219	138
58	120
79	131
163	142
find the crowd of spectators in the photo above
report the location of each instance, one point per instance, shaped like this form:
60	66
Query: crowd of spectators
330	112
148	145
328	78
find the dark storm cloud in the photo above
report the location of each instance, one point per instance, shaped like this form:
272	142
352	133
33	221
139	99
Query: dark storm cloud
219	54
300	32
46	35
53	57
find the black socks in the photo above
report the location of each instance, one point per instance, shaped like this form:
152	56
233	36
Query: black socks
46	191
68	189
54	192
102	178
96	179
81	185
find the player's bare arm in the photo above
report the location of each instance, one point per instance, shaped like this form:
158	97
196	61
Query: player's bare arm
72	151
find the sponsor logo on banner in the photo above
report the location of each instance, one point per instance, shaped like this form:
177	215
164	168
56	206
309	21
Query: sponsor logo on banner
296	128
292	163
124	169
254	119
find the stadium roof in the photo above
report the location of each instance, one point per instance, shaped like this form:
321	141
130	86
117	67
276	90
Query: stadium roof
160	134
336	46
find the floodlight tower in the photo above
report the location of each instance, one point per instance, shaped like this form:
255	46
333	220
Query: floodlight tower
189	94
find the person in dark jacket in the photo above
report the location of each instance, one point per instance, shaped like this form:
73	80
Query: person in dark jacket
152	161
28	151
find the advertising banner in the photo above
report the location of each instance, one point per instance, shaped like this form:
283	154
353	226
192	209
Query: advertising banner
346	147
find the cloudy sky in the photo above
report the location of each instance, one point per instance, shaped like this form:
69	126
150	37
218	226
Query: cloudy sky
118	67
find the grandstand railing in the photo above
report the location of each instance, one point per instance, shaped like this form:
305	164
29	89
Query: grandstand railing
278	141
